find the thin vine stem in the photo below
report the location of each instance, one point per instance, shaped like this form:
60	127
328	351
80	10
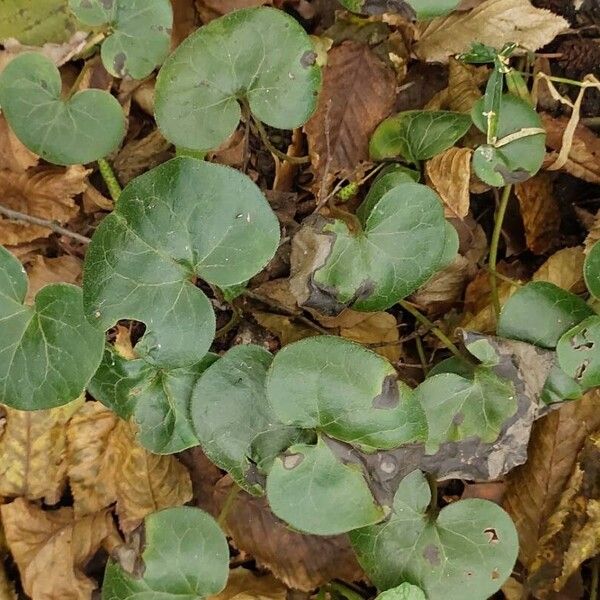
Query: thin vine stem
264	136
110	178
344	590
493	259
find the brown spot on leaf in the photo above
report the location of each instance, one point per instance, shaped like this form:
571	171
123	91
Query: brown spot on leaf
291	461
432	555
107	4
379	7
495	574
308	59
119	63
389	396
458	418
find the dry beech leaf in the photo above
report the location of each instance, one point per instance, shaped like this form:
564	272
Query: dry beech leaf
93	201
279	291
32	452
211	9
450	173
593	233
184	21
45	192
7	590
564	269
494	23
231	151
534	489
572	533
378	330
246	585
358	92
285	328
540	212
14	156
44	270
51	548
584	156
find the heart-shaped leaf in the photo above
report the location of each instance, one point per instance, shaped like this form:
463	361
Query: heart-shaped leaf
259	56
467	552
423	9
84	128
518	152
401	246
157	399
183	219
48	351
313	491
579	352
591	270
540	313
139	33
418	134
405	591
186	557
344	390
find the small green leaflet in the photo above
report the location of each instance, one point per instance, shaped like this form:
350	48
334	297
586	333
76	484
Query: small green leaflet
540	313
467	552
200	86
423	9
579	352
84	128
186	557
139	33
183	219
591	270
309	488
405	591
48	351
418	134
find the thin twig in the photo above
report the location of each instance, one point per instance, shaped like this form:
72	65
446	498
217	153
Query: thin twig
421	353
297	160
53	225
494	248
113	185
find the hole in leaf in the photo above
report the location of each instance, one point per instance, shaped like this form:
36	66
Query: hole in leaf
495	574
492	535
581	369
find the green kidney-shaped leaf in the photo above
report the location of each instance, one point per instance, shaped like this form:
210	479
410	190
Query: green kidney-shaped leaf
48	351
313	491
401	246
139	37
591	270
348	392
559	387
423	9
183	219
186	557
540	313
467	552
515	160
157	399
579	352
258	55
84	128
405	591
418	134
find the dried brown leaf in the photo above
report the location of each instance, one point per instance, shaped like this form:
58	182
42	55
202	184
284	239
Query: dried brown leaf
593	233
45	192
449	174
14	156
378	330
564	269
185	20
493	22
246	585
93	201
7	589
534	489
285	328
51	548
212	9
540	212
358	92
44	270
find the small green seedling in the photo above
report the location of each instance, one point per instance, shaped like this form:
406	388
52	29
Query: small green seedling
48	351
259	58
138	33
420	9
186	557
83	128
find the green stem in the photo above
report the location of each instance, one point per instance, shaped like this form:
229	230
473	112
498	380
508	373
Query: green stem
407	306
233	321
228	504
421	353
109	178
494	247
295	160
344	590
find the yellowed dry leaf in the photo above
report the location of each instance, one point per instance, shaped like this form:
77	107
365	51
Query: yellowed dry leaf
285	328
44	270
493	22
14	156
378	330
45	192
279	291
51	548
593	233
123	344
245	585
93	201
540	212
564	269
450	173
32	453
7	589
347	319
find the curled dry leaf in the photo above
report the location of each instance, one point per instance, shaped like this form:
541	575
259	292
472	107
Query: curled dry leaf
32	453
540	212
449	173
46	192
593	233
51	548
44	270
378	330
494	23
285	328
14	156
564	269
358	92
246	585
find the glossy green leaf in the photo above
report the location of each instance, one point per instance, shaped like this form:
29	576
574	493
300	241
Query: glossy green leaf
591	270
579	352
48	351
233	59
540	313
401	246
313	491
467	552
559	387
345	390
418	134
157	399
186	557
183	219
516	160
405	591
84	128
139	33
423	9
